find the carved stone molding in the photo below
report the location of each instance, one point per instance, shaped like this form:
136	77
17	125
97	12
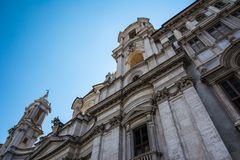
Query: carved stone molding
115	121
173	62
132	47
99	129
166	93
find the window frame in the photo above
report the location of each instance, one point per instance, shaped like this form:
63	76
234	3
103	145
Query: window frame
220	5
202	17
232	87
132	34
237	11
172	38
218	29
141	146
183	29
196	46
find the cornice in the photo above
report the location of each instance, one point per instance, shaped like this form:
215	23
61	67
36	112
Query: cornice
116	121
100	129
63	139
178	17
145	79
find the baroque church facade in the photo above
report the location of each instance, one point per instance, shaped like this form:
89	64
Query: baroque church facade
175	95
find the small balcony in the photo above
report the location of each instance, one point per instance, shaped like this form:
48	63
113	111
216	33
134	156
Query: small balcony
148	156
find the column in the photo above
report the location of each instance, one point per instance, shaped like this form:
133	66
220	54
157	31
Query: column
96	148
154	47
124	145
120	65
214	145
147	47
206	39
152	136
209	38
129	143
191	141
110	145
174	147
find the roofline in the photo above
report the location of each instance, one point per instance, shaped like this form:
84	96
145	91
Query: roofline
179	13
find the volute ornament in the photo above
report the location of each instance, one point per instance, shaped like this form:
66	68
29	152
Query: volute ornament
166	93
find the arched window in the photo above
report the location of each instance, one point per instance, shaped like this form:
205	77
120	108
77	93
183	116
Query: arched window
39	113
135	58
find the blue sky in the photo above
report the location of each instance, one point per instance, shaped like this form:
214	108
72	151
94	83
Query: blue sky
64	46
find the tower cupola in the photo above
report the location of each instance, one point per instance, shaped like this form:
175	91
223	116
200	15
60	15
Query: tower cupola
135	45
29	128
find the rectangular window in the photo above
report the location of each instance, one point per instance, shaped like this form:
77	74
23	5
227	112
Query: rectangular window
141	143
196	44
219	5
183	29
231	86
172	39
200	17
236	13
219	30
132	34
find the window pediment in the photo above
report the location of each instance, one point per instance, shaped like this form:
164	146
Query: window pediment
136	112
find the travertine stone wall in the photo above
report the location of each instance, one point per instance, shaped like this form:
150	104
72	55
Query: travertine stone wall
188	129
110	145
170	132
106	146
96	147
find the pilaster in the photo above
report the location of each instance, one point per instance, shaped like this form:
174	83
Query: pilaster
97	142
147	47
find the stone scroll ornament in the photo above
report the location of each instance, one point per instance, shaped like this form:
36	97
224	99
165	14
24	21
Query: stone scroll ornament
99	129
166	93
115	121
131	47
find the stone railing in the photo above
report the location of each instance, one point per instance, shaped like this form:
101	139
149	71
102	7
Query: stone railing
146	156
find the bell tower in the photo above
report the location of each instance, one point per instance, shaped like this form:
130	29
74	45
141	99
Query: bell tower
135	45
29	128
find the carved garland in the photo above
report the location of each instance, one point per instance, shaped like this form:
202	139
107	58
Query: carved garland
166	93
